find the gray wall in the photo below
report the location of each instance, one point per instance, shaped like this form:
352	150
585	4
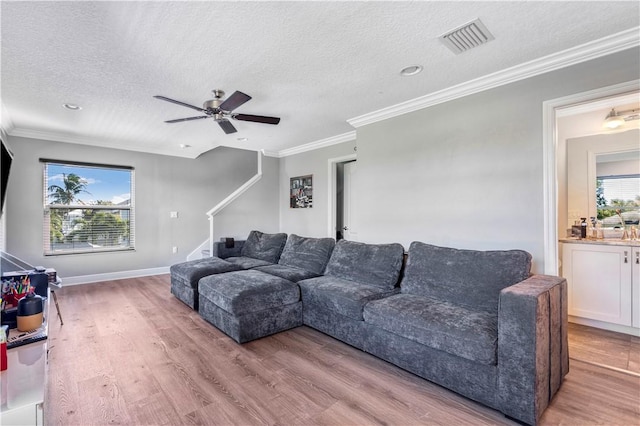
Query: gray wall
163	184
311	222
255	209
469	173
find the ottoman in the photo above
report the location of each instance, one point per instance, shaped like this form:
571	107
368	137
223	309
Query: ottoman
248	305
185	277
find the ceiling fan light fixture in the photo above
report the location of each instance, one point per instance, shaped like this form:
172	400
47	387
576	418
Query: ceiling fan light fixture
613	120
72	107
411	70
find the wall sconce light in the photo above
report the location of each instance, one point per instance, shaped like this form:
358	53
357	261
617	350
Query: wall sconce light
615	119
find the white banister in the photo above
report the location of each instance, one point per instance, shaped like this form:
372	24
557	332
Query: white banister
224	203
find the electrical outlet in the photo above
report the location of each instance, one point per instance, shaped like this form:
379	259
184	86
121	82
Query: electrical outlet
173	215
175	249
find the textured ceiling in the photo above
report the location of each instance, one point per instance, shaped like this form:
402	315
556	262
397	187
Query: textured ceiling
314	64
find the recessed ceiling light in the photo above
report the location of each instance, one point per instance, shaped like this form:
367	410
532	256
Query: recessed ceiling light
411	70
72	107
184	146
243	139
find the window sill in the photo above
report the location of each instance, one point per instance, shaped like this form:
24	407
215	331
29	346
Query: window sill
94	251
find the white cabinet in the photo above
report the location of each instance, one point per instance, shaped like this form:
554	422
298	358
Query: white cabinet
604	282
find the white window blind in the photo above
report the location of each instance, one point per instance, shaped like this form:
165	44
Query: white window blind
618	193
87	208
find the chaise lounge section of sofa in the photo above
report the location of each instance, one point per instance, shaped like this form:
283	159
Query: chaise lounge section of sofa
251	304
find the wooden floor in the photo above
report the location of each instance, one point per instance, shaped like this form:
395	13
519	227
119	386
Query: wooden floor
130	353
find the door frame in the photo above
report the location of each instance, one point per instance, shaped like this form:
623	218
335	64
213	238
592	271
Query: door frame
333	192
550	110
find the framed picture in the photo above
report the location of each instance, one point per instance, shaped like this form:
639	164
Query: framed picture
301	192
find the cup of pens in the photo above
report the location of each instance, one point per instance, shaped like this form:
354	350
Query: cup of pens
13	291
14	298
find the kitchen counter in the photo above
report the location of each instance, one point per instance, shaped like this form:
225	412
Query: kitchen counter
604	242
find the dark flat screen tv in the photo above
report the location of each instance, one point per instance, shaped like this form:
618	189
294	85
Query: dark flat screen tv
5	166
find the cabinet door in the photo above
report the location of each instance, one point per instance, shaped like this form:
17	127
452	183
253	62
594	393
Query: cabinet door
635	286
599	279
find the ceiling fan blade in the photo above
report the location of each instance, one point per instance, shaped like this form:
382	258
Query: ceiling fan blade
234	101
226	126
257	118
178	120
173	101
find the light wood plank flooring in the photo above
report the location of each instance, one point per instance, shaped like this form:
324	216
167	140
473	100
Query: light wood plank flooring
130	353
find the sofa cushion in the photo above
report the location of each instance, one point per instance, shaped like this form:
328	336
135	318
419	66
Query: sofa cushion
267	247
243	292
464	277
247	262
309	254
445	326
287	272
189	273
370	264
341	296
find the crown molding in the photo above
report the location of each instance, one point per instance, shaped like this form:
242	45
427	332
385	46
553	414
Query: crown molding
266	153
81	140
605	46
6	124
333	140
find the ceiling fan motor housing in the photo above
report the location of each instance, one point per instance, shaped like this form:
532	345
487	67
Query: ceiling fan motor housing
212	104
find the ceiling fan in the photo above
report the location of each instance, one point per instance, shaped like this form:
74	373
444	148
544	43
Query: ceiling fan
220	109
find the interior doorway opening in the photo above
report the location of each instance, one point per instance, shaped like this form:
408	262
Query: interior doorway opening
344	196
553	154
335	203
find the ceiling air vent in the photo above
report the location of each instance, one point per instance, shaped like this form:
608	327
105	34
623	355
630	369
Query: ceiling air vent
468	36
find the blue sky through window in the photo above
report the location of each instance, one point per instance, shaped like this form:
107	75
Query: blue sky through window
103	184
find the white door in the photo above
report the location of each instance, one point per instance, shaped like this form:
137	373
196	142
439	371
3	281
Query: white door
350	229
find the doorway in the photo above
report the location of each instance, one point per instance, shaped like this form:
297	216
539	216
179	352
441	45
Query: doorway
552	110
338	219
346	174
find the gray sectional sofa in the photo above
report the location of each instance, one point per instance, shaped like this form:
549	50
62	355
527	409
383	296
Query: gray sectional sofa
475	322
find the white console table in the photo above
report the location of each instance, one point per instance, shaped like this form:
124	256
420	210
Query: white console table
23	383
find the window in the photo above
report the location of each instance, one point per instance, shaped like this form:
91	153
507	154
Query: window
88	208
618	193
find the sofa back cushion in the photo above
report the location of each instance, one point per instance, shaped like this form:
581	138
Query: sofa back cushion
267	247
372	264
310	254
464	277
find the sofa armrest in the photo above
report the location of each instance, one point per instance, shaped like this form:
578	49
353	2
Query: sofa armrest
221	250
533	355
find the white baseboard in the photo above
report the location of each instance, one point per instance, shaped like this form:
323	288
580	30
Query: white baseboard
86	279
605	325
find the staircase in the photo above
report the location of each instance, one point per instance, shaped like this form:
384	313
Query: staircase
206	248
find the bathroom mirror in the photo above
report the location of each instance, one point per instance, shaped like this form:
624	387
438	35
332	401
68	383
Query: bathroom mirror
618	188
614	155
